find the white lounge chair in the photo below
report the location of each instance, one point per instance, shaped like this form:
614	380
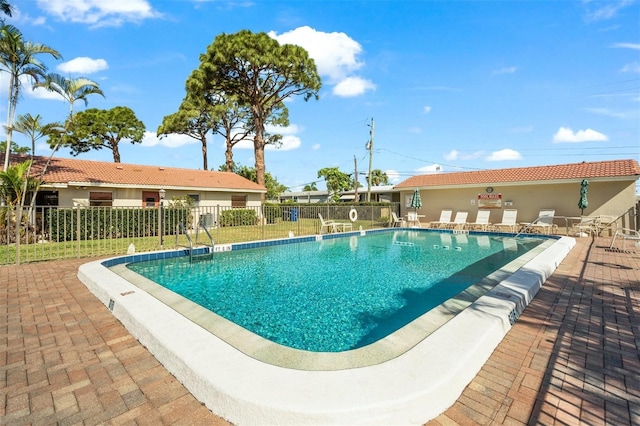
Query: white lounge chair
605	222
482	221
445	219
397	222
625	234
588	225
543	224
508	223
332	226
459	222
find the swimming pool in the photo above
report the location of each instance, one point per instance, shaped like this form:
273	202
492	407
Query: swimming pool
338	294
408	377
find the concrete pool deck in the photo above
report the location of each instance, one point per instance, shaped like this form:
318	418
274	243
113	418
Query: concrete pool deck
572	355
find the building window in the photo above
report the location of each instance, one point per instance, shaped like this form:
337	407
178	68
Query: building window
195	198
238	201
100	199
150	198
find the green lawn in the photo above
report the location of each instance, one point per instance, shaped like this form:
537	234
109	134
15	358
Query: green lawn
117	246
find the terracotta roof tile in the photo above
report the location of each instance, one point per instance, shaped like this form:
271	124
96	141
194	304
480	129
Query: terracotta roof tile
584	170
65	170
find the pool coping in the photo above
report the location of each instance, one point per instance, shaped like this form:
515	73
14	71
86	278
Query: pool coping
410	388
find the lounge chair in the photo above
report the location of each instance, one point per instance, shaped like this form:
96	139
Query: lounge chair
625	234
397	222
459	222
605	222
482	221
588	225
508	223
543	223
445	218
331	226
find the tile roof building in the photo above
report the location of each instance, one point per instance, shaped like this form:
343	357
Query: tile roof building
73	182
526	175
611	191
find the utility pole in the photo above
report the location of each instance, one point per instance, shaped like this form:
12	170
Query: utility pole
370	148
355	180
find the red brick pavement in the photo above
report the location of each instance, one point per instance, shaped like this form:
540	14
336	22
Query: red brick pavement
572	357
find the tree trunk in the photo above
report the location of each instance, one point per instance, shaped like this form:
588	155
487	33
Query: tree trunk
205	165
116	153
228	154
258	148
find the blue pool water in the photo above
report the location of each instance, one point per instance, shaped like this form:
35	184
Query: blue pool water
336	294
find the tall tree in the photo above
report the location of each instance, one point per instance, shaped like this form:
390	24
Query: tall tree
34	129
71	90
310	187
15	148
99	128
336	181
18	59
6	8
193	119
261	73
378	177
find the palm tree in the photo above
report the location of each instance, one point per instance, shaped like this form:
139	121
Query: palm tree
5	7
71	90
18	58
32	127
378	177
13	181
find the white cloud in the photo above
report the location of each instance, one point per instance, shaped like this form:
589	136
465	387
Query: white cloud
505	70
504	155
288	143
434	168
633	67
336	56
315	147
99	13
352	86
394	176
452	155
83	65
172	140
565	134
635	46
605	10
427	109
414	130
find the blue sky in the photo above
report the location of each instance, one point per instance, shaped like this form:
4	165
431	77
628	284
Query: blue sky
449	85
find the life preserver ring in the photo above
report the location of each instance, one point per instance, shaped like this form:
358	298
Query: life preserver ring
353	215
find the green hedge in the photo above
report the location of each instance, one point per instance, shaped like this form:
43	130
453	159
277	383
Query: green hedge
238	217
105	222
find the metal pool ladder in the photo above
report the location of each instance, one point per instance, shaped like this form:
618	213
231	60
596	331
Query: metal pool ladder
181	228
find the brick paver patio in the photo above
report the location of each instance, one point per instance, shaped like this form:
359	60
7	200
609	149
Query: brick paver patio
572	357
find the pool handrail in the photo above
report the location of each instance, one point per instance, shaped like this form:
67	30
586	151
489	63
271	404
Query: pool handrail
206	231
181	228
